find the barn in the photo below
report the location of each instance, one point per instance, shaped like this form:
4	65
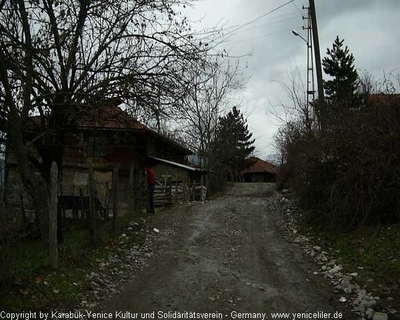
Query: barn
259	171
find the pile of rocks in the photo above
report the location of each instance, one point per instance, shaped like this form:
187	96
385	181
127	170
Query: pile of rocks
124	259
343	283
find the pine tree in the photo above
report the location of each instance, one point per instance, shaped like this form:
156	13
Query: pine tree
233	143
342	88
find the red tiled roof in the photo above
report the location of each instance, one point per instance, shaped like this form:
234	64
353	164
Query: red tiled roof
106	116
260	166
109	116
383	99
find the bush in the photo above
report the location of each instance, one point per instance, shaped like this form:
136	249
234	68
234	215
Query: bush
349	173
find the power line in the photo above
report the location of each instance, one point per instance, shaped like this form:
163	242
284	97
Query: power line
265	35
270	23
297	7
260	17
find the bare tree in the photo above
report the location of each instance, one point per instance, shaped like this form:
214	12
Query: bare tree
205	99
388	83
59	58
297	110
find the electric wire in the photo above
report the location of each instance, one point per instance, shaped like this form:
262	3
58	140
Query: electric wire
297	7
258	18
270	24
266	35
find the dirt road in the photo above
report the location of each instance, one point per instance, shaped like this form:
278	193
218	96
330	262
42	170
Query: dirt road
224	258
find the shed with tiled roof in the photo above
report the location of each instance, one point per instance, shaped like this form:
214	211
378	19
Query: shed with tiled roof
259	171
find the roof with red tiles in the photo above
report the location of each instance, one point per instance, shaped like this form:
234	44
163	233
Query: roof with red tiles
383	99
108	115
259	166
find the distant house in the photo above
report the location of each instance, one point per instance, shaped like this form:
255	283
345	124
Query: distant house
104	139
383	99
259	171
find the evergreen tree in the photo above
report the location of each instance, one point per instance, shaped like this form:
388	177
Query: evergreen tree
233	143
339	64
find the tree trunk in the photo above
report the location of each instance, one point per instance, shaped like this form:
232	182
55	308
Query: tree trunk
92	208
33	182
53	206
115	198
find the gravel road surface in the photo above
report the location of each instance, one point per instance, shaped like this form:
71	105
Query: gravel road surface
224	258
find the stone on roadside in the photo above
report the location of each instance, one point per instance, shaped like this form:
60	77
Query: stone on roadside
369	313
347	278
348	290
380	316
369	304
360	308
335	269
392	311
345	284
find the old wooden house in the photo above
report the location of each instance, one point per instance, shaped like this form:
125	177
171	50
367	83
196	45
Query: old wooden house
106	139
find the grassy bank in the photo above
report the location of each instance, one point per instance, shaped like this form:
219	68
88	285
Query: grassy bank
28	283
371	251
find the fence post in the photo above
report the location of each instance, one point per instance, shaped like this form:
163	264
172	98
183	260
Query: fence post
184	184
201	186
130	190
176	189
53	206
21	199
115	195
194	190
92	208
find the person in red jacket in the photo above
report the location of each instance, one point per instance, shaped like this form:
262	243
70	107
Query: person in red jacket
151	179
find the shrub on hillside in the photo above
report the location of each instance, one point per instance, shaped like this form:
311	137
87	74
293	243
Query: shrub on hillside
349	173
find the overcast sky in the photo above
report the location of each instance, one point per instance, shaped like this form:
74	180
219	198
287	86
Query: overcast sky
370	29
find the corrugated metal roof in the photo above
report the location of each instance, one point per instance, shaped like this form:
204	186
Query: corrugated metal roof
176	164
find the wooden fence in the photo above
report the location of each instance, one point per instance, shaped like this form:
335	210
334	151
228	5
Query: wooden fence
103	193
170	190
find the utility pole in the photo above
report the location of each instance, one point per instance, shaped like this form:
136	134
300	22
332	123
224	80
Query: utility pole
321	99
310	58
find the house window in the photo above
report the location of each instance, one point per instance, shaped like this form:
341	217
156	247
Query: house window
96	146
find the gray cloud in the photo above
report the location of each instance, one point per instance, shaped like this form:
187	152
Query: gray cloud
369	27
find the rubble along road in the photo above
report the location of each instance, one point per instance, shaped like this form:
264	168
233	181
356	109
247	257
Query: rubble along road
226	259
